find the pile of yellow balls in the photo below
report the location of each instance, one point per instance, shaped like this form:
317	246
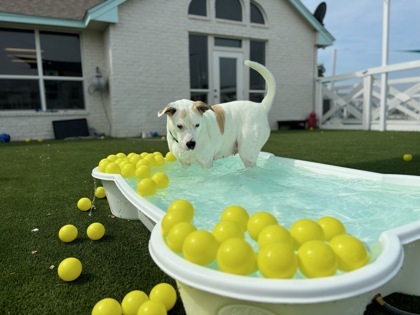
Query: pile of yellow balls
315	248
160	300
140	167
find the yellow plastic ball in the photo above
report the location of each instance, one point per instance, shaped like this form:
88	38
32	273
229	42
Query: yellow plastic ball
200	247
100	192
157	153
143	161
102	166
174	217
350	251
407	157
170	157
69	269
144	154
121	155
177	235
317	259
152	308
143	171
135	158
159	160
331	227
258	221
95	231
68	233
305	230
278	261
146	187
107	306
113	168
161	179
237	214
183	206
274	234
112	157
225	230
84	204
132	302
165	294
151	158
128	170
236	256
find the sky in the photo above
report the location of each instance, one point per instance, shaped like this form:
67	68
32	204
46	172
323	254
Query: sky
357	28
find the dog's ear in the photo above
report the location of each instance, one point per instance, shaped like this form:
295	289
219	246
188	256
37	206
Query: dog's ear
168	110
201	107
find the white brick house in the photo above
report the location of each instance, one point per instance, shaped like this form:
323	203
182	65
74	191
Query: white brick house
150	52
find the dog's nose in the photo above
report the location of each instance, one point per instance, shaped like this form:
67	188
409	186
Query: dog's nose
191	145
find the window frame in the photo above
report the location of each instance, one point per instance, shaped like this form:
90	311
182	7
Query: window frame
41	78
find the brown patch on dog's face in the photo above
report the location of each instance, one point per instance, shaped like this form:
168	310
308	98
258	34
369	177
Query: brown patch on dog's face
201	107
182	114
220	117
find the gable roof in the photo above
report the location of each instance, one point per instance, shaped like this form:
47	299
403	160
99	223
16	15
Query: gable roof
79	13
68	9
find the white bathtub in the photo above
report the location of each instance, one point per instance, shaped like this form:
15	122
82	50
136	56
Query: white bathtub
211	292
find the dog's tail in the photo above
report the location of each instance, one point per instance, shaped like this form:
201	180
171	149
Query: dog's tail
270	81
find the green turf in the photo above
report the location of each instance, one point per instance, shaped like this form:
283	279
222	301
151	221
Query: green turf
40	186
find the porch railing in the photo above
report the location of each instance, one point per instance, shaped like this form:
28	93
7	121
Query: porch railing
353	101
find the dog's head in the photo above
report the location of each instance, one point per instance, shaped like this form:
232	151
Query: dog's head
184	121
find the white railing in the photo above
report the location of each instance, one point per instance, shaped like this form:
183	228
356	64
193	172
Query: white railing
353	101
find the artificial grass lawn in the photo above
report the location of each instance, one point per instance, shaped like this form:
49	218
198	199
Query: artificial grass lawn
42	182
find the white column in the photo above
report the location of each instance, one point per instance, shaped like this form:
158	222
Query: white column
384	75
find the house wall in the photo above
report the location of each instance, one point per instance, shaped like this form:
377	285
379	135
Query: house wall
145	57
38	125
150	65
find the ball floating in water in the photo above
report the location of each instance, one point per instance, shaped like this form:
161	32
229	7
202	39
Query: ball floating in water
407	157
170	157
258	221
170	219
177	235
236	256
84	204
277	260
305	230
143	171
183	206
68	233
69	269
225	230
128	170
107	306
146	187
237	214
331	227
317	259
161	179
274	234
95	231
113	168
159	160
165	294
200	247
132	302
100	192
350	251
152	308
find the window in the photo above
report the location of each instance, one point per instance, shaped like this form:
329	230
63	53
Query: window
256	81
198	7
227	42
256	15
199	78
40	70
229	10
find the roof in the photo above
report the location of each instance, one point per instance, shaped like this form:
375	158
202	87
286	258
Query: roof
79	13
67	9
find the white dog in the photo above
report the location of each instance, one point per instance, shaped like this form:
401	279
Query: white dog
199	133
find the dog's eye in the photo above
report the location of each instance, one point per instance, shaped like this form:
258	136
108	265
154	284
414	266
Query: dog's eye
197	125
180	126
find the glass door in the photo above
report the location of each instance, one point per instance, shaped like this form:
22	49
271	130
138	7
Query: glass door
228	76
